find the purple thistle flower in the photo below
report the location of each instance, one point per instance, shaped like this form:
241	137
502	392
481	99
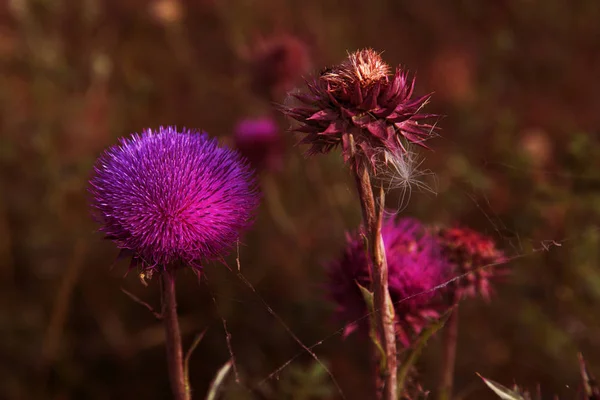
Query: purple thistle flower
361	97
473	254
167	197
415	266
260	141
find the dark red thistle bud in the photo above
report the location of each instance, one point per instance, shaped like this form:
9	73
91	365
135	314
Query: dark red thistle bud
363	98
475	255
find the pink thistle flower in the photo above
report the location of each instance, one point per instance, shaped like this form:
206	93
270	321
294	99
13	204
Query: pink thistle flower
474	254
361	97
415	267
260	141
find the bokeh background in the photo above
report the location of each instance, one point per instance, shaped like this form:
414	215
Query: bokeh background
518	158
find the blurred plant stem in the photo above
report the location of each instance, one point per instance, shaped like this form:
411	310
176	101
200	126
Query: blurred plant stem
173	337
276	208
7	272
449	356
60	308
372	209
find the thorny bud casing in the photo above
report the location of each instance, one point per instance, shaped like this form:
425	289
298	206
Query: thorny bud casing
362	97
168	198
415	267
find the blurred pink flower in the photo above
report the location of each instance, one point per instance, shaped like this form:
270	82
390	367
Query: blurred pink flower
474	254
260	141
415	267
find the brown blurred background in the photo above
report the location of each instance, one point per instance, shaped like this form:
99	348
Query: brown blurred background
518	159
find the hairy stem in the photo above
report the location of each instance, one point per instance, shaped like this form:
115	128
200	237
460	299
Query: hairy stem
173	337
449	357
372	209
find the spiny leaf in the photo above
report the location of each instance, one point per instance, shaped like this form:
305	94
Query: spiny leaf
417	347
369	301
502	391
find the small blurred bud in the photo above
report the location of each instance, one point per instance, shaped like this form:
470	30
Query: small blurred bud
8	43
452	73
473	255
166	11
260	141
537	146
277	64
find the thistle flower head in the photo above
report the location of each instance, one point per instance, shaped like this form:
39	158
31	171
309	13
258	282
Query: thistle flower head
170	197
362	98
474	254
415	267
260	141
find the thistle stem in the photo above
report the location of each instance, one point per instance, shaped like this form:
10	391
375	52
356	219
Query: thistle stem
384	315
173	337
449	356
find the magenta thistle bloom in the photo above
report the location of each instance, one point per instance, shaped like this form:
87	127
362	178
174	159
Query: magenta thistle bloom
361	97
170	197
474	254
415	266
260	141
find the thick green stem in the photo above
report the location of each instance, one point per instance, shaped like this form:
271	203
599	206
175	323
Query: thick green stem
173	337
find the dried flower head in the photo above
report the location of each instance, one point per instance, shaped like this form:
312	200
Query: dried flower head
260	141
277	64
474	254
169	197
415	267
361	97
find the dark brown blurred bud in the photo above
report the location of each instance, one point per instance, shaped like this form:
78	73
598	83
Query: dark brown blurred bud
277	64
166	12
453	74
537	146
